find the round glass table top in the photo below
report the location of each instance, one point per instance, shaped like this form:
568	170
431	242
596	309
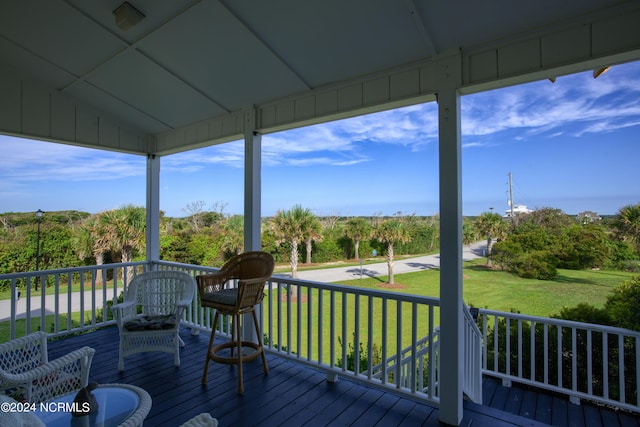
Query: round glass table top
116	403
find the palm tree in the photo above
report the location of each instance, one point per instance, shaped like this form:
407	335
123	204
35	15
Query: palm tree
124	230
89	241
233	229
391	231
287	226
357	229
627	224
493	226
311	231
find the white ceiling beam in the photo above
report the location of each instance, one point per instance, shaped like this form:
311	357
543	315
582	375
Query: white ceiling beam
422	28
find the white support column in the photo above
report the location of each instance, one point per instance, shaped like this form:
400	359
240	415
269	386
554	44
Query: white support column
153	208
252	189
451	301
252	205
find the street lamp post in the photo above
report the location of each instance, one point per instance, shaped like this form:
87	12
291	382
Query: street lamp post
39	213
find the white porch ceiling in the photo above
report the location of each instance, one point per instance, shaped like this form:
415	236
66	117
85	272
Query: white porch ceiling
186	73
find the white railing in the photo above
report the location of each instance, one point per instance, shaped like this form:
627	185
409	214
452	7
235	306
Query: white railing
357	332
581	360
331	327
472	378
341	330
61	295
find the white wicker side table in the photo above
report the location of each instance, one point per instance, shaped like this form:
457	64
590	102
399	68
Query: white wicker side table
118	405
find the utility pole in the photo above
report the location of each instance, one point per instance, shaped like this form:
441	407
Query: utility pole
511	195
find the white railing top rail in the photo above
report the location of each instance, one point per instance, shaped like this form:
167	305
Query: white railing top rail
561	322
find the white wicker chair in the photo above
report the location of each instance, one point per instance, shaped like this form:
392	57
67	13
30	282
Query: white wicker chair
149	318
27	375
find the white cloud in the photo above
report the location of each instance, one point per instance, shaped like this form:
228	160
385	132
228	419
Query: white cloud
589	105
27	160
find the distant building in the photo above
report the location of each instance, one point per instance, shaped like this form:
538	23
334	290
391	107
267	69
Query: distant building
587	217
517	210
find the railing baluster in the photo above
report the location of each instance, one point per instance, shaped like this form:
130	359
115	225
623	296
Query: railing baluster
559	356
279	299
43	303
356	335
309	324
574	360
299	320
496	339
605	365
532	351
332	328
385	326
345	340
414	339
56	304
370	337
546	353
398	344
589	363
320	325
621	368
520	347
289	320
507	338
431	368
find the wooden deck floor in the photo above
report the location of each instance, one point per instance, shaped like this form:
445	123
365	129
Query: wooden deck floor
296	395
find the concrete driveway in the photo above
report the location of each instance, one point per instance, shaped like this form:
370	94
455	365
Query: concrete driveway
476	250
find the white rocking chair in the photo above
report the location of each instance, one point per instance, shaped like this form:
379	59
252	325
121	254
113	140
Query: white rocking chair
149	318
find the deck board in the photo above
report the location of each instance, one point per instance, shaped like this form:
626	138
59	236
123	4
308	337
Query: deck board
294	394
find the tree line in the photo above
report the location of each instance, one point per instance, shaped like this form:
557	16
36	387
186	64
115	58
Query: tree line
537	244
206	237
533	245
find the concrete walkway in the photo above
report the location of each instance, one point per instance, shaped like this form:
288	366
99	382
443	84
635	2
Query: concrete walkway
408	265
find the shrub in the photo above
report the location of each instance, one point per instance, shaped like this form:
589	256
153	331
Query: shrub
324	251
585	313
623	305
536	265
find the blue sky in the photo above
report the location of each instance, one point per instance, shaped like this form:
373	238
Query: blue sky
573	145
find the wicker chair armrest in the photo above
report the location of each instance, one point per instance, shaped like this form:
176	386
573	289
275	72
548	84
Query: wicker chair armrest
123	311
214	281
35	341
56	377
84	355
251	291
186	300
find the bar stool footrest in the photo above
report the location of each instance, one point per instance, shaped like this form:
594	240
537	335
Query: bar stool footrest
233	360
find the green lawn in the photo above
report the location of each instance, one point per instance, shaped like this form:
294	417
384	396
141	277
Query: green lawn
21	326
498	290
492	289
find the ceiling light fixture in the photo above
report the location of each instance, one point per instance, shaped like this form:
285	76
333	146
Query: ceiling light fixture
127	16
600	71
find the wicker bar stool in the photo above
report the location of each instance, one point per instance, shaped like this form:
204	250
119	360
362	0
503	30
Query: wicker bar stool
251	270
